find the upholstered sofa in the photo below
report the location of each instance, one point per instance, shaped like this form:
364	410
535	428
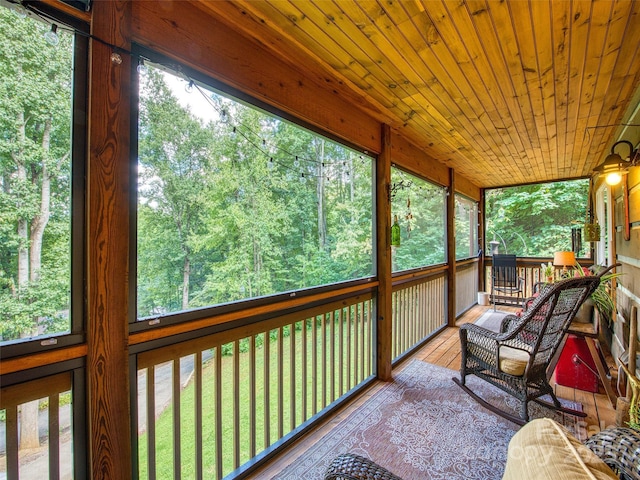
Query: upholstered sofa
541	449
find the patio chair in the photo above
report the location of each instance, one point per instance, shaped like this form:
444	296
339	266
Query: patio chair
505	279
516	359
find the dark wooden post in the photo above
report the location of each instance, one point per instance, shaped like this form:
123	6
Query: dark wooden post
108	193
451	250
383	249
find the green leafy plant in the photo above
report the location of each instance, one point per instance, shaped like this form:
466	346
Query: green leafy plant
547	269
601	297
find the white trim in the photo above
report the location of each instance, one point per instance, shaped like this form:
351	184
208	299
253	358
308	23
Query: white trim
629	260
628	293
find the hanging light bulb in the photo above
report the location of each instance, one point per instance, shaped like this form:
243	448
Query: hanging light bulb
52	35
142	68
613	178
303	179
19	10
270	164
224	117
189	87
296	162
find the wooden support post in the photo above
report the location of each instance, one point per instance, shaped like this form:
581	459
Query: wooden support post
451	250
482	242
383	252
108	197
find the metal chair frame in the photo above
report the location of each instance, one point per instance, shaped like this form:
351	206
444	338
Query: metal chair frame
505	279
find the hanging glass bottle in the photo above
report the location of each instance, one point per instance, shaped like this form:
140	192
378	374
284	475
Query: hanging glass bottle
395	232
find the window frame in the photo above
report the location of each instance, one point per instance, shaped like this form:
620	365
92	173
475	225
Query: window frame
79	132
473	242
444	193
171	318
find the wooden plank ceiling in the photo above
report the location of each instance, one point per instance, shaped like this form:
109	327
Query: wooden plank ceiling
504	92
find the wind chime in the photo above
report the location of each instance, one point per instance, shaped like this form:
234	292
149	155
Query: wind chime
409	218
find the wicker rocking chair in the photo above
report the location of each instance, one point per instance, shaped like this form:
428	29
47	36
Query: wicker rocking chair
516	360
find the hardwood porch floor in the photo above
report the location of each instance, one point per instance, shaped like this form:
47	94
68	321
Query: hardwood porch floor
444	350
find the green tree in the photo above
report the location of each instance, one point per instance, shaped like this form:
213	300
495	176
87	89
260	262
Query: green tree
536	220
420	208
174	162
35	166
271	207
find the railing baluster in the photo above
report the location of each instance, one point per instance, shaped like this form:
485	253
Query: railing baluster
332	355
355	340
280	382
13	463
151	421
341	378
323	363
252	396
54	436
236	404
314	364
217	353
349	358
197	380
175	398
363	337
305	378
267	388
292	376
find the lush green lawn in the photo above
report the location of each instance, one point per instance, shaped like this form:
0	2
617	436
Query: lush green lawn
278	349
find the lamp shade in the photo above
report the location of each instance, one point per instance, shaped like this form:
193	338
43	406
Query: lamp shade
564	259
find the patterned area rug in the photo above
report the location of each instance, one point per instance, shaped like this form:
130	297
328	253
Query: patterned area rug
422	425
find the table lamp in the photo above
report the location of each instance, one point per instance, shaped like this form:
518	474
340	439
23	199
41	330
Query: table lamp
564	260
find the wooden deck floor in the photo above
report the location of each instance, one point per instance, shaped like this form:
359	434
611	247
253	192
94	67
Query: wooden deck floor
444	350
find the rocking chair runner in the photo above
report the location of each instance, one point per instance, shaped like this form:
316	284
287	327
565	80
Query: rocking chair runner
516	360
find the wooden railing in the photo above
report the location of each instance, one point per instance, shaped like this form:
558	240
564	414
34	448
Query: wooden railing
419	309
466	285
224	402
211	405
530	269
46	405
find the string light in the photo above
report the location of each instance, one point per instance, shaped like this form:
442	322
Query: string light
261	144
19	10
52	38
142	68
52	35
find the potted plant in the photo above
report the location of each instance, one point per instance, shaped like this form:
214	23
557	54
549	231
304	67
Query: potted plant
600	299
548	271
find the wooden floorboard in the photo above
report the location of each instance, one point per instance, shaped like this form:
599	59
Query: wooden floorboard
444	350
